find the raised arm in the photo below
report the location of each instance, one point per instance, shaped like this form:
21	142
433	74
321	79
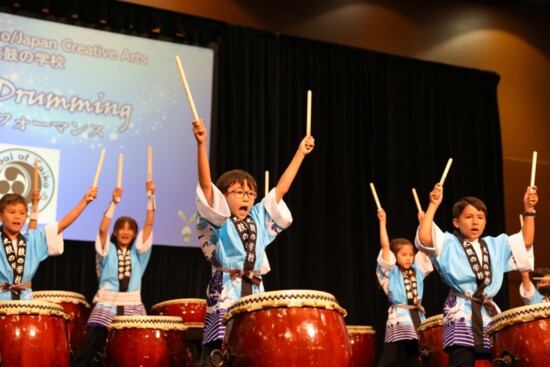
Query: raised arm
306	146
526	281
33	218
530	199
425	228
108	216
384	239
150	215
71	216
205	180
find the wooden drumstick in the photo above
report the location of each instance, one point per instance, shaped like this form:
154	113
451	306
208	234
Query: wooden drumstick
98	170
378	206
533	170
149	168
266	183
308	116
444	176
187	90
35	183
119	175
521	220
416	200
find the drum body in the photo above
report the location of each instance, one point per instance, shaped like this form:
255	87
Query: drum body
363	345
33	333
146	341
76	306
286	328
522	334
430	344
192	311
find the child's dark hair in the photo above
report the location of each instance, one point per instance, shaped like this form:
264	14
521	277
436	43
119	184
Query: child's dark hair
397	243
468	200
541	273
10	199
119	223
233	176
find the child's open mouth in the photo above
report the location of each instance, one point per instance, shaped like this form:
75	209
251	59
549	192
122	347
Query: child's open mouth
243	210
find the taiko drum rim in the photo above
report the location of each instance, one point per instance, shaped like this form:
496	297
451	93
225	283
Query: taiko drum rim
284	299
32	308
360	329
167	323
518	315
170	302
57	296
431	322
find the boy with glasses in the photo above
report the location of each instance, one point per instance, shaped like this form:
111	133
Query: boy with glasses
233	232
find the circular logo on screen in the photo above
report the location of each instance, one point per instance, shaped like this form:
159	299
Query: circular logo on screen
17	175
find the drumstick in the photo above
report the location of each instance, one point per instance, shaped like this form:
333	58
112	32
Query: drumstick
149	168
187	90
375	196
119	174
444	176
521	220
35	182
99	164
533	169
266	183
416	200
308	116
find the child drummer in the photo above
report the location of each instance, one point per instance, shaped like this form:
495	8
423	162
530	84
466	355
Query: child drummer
233	233
474	268
22	253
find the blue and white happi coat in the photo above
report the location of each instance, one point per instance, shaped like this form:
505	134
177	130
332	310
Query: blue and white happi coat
40	244
108	296
506	253
223	249
399	325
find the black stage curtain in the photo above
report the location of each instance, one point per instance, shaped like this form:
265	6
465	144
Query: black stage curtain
378	118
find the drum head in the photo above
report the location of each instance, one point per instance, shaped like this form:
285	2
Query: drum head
32	308
431	322
518	315
180	301
284	299
148	322
360	329
60	297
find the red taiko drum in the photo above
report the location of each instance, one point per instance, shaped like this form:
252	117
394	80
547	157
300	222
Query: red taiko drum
32	333
146	341
521	336
76	306
286	328
363	345
430	344
192	311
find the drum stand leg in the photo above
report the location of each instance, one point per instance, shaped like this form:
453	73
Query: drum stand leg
424	355
220	358
506	359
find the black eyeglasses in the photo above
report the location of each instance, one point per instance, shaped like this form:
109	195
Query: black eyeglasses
239	194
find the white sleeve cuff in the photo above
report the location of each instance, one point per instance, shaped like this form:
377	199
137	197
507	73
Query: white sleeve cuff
278	212
216	214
